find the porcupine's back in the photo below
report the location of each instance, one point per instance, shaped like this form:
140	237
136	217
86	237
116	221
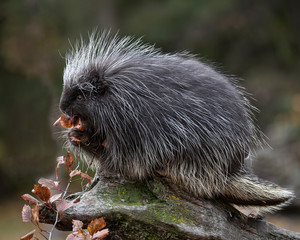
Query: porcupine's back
178	110
168	113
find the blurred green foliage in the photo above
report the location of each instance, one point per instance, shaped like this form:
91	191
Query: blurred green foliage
257	40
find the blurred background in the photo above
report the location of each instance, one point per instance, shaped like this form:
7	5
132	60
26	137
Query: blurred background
257	41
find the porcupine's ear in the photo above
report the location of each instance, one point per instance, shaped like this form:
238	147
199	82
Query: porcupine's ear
249	190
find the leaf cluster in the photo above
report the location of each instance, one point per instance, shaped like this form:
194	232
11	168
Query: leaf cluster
45	192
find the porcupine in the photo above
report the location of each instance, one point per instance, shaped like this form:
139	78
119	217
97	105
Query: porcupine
146	112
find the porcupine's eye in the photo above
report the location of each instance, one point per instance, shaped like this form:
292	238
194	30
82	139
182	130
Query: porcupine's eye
79	97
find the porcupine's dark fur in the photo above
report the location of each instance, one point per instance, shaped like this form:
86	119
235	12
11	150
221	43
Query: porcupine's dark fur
144	111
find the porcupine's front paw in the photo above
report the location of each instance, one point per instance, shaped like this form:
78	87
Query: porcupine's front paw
82	139
78	137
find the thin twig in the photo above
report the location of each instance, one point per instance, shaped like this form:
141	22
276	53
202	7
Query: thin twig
40	230
44	235
57	214
52	229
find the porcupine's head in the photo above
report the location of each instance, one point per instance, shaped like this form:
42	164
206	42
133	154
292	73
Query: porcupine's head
144	111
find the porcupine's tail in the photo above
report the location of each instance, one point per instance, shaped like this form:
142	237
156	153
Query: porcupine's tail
251	191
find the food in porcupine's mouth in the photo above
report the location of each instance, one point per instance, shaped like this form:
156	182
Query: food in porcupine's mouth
74	122
66	122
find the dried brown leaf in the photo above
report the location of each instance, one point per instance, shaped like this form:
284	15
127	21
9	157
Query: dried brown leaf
57	172
57	121
87	177
42	192
60	161
28	236
78	124
74	139
55	197
67	122
30	199
26	213
74	173
63	205
76	200
77	225
96	225
64	121
35	214
50	183
76	236
101	234
69	162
